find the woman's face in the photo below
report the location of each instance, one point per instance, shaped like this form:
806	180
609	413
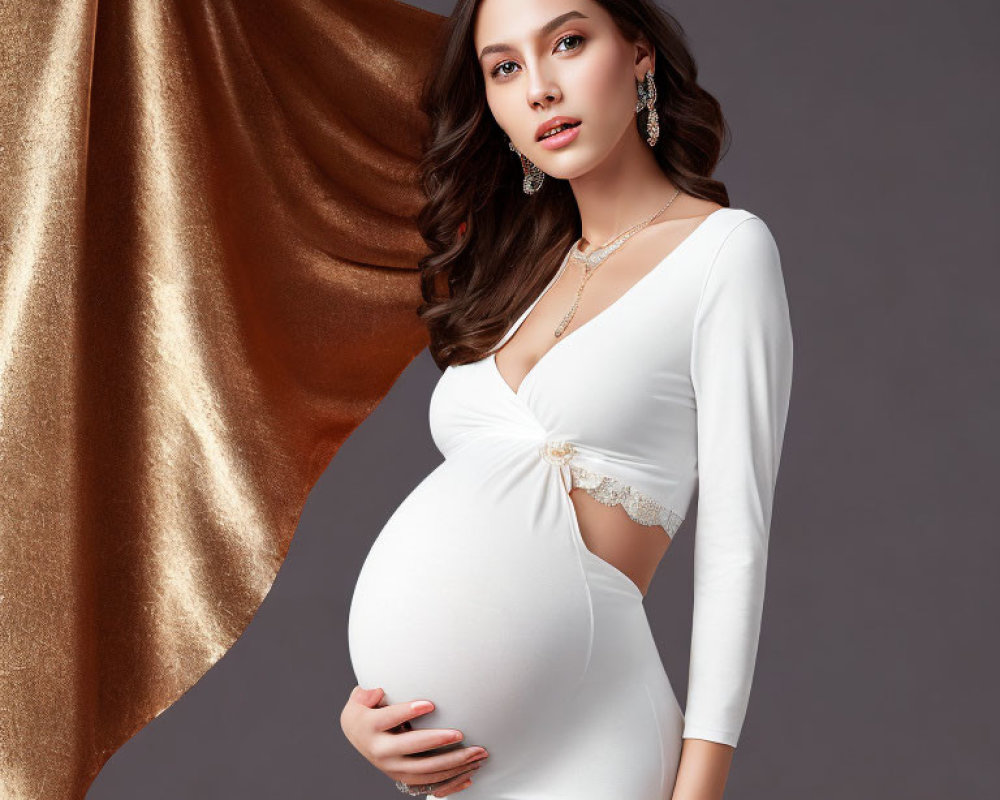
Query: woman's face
546	58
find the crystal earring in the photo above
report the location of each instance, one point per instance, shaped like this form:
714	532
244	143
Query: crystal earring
647	99
533	176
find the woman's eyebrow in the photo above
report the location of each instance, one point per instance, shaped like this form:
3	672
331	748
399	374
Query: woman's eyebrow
547	28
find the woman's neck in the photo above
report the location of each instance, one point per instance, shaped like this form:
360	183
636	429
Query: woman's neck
626	188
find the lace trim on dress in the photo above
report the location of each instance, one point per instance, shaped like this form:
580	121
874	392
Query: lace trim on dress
640	507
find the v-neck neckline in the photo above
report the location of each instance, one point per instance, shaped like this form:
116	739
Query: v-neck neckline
604	311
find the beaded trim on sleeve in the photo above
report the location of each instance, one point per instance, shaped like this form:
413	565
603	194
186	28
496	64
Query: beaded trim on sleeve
640	507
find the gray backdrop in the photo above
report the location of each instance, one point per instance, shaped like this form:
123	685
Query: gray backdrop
865	135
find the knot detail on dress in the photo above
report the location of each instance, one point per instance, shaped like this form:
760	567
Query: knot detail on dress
556	452
560	453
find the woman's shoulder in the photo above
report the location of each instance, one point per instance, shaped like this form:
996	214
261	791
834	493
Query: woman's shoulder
720	240
730	218
714	223
722	231
743	257
740	231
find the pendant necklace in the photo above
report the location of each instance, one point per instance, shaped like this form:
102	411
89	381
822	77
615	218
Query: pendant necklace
594	259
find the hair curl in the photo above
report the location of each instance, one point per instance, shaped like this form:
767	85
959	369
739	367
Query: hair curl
493	248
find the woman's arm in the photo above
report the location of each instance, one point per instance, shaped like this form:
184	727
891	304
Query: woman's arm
703	770
741	371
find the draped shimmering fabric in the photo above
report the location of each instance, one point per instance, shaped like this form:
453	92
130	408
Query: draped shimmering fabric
207	280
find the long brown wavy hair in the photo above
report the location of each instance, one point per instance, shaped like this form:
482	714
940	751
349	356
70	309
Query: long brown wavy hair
480	276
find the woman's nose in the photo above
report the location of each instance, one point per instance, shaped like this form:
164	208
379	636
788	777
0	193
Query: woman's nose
542	92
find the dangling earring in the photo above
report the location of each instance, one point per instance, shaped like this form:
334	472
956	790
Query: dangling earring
647	98
533	176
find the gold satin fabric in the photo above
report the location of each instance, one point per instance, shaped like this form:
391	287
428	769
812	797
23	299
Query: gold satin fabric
207	281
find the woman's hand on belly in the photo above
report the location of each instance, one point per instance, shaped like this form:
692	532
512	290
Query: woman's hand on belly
384	736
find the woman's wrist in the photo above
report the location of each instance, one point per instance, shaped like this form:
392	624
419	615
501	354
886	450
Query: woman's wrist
703	770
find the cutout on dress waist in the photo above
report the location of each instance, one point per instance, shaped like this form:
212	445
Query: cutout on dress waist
611	491
640	507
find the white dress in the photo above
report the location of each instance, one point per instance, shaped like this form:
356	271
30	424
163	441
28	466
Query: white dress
480	594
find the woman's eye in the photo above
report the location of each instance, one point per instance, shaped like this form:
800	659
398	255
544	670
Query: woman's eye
499	71
567	38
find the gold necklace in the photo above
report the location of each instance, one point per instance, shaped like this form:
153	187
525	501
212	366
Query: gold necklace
594	259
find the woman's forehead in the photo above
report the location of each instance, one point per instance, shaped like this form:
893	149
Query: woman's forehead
506	22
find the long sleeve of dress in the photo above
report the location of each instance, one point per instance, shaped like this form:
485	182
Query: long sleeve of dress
741	370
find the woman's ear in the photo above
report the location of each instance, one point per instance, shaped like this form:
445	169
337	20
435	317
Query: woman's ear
645	58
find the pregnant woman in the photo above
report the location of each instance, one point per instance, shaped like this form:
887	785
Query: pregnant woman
613	336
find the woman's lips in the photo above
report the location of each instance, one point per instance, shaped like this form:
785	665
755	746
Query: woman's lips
561	139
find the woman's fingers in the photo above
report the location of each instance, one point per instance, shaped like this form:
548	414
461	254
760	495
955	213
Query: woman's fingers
395	718
453	786
414	755
366	697
425	741
432	769
395	714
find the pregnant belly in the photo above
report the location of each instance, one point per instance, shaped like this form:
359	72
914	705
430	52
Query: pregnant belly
473	597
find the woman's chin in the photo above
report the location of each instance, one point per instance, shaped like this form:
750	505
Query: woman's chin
568	168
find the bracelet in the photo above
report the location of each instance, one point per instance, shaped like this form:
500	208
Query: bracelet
424	788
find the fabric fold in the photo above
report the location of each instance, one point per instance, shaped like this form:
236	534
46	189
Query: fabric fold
208	279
